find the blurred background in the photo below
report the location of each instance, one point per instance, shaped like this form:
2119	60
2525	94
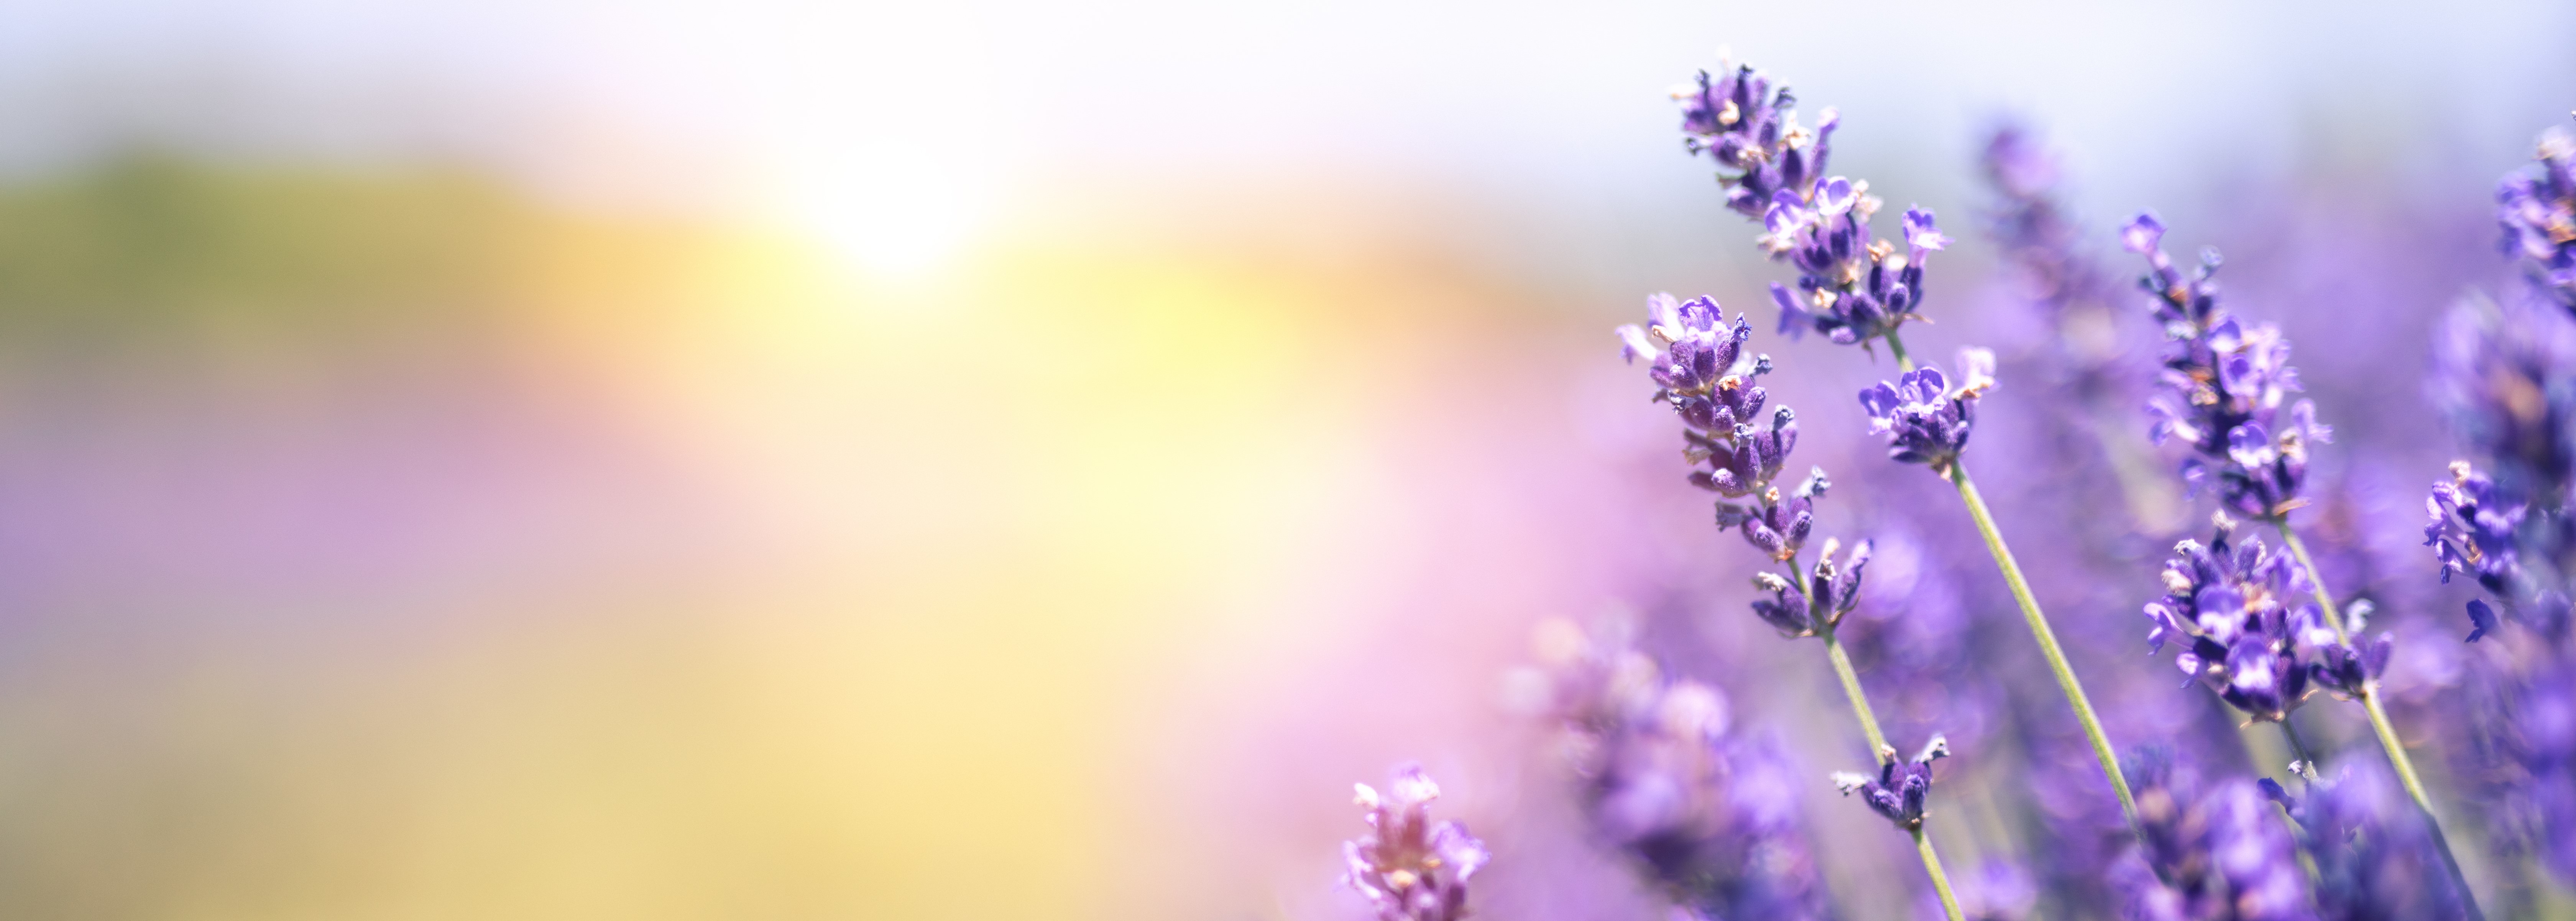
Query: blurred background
773	460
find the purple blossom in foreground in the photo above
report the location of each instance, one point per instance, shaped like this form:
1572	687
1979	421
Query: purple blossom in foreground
1925	421
1708	816
1746	125
2224	388
2223	855
1852	287
1901	789
2374	859
1699	368
2537	208
1698	365
1409	868
1835	588
2252	631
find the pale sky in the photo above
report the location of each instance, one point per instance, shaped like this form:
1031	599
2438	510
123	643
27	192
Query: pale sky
926	120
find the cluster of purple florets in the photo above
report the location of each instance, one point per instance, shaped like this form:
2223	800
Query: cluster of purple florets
1852	287
1926	420
1706	812
1901	788
2215	854
2537	208
2250	628
1410	868
2225	389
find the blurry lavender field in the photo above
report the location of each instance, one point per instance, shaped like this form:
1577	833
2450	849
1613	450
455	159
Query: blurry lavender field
681	461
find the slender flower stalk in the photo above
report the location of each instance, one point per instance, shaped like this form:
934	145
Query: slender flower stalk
1737	450
1858	290
2225	392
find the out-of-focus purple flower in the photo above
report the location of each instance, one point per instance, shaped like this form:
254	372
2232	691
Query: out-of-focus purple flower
2545	724
1924	419
2253	633
1851	287
1410	868
1707	815
2537	208
2482	529
2505	374
2225	388
1998	890
2373	858
2223	855
1901	789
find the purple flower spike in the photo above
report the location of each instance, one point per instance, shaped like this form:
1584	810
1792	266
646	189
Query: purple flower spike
2251	631
1901	789
1925	421
1833	587
2222	855
1703	810
2537	209
1852	286
2373	855
2225	389
1409	868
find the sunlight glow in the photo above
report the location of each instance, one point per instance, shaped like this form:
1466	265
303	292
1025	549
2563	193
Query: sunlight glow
890	211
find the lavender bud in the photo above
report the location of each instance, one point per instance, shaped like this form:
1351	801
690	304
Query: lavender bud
1409	868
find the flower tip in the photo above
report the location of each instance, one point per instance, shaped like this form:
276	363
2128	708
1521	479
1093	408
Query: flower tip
1413	786
1364	796
2142	233
1633	343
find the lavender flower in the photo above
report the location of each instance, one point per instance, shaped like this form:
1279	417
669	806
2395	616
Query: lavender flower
2545	748
1707	815
2480	529
1698	365
1409	868
1851	286
2374	859
2223	388
2505	374
2538	211
1924	420
2222	855
1901	789
1834	588
2253	634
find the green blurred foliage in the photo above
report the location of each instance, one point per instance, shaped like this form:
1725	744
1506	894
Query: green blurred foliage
149	247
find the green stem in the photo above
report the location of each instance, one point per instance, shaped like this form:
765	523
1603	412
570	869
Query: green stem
2298	746
1878	747
2379	724
1940	881
2048	647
